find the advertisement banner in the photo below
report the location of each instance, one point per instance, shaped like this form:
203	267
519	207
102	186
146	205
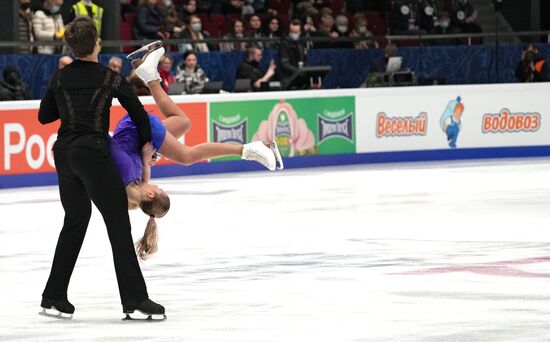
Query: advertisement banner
26	144
308	126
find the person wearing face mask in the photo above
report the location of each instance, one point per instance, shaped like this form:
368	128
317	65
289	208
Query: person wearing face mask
360	30
292	53
48	25
25	26
342	27
445	26
11	87
149	21
194	31
464	16
88	8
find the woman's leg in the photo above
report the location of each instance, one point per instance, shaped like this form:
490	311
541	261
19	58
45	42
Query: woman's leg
172	149
176	122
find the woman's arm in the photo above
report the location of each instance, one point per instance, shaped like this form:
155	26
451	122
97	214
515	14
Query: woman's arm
147	152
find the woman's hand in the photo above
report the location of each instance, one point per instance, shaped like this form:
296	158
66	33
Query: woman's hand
147	152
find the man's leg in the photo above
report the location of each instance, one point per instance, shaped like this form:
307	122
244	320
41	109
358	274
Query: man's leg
77	206
102	181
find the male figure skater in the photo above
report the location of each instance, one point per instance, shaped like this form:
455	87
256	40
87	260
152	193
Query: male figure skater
80	96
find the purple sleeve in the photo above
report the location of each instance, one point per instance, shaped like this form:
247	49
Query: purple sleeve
129	166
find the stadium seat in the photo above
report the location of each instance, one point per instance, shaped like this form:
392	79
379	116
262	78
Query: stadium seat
126	32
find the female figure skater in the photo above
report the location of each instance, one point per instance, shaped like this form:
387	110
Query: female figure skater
134	163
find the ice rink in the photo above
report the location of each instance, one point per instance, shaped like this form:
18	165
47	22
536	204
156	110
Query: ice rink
454	251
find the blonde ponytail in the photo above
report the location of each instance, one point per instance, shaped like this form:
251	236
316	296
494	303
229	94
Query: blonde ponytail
148	244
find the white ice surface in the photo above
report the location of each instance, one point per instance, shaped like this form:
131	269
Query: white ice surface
306	255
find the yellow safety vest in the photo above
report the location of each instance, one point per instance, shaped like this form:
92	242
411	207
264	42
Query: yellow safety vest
97	14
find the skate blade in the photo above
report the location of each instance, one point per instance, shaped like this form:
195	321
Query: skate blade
55	314
139	53
149	318
278	157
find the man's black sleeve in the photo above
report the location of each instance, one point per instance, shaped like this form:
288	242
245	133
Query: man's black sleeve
129	100
48	111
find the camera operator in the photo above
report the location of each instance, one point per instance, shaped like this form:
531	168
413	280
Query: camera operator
532	67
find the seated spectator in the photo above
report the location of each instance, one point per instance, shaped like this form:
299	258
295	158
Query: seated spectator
255	30
236	31
115	64
261	6
25	26
172	23
138	86
342	28
428	14
126	6
250	69
149	21
464	16
248	8
445	26
209	6
87	7
326	30
360	30
191	74
188	8
532	67
193	31
11	86
233	7
309	8
273	30
404	18
48	25
64	61
165	70
292	53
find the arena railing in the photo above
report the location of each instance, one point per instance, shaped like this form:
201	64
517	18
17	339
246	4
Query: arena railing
468	38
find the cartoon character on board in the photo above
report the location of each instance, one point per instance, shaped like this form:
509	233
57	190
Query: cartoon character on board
450	121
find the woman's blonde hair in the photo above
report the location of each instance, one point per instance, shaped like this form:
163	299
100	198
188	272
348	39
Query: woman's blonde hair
156	208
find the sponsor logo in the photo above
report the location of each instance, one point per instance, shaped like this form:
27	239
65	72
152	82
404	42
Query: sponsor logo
36	148
506	122
228	134
335	128
401	126
451	121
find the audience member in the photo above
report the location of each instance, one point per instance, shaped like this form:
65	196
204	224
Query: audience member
233	7
236	31
404	17
64	61
11	86
325	30
193	31
342	28
445	26
172	23
255	30
165	70
428	14
532	67
87	7
188	8
293	52
250	69
25	26
273	30
464	16
115	64
360	30
190	74
126	6
149	21
48	25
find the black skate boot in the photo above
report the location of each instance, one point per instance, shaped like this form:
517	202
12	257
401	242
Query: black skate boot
60	309
153	311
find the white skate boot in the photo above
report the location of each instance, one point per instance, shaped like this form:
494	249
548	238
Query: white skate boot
147	66
257	151
277	154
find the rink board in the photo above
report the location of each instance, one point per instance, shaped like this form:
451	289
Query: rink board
319	128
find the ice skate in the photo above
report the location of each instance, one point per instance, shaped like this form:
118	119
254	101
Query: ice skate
260	153
61	309
151	311
277	154
140	53
146	67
